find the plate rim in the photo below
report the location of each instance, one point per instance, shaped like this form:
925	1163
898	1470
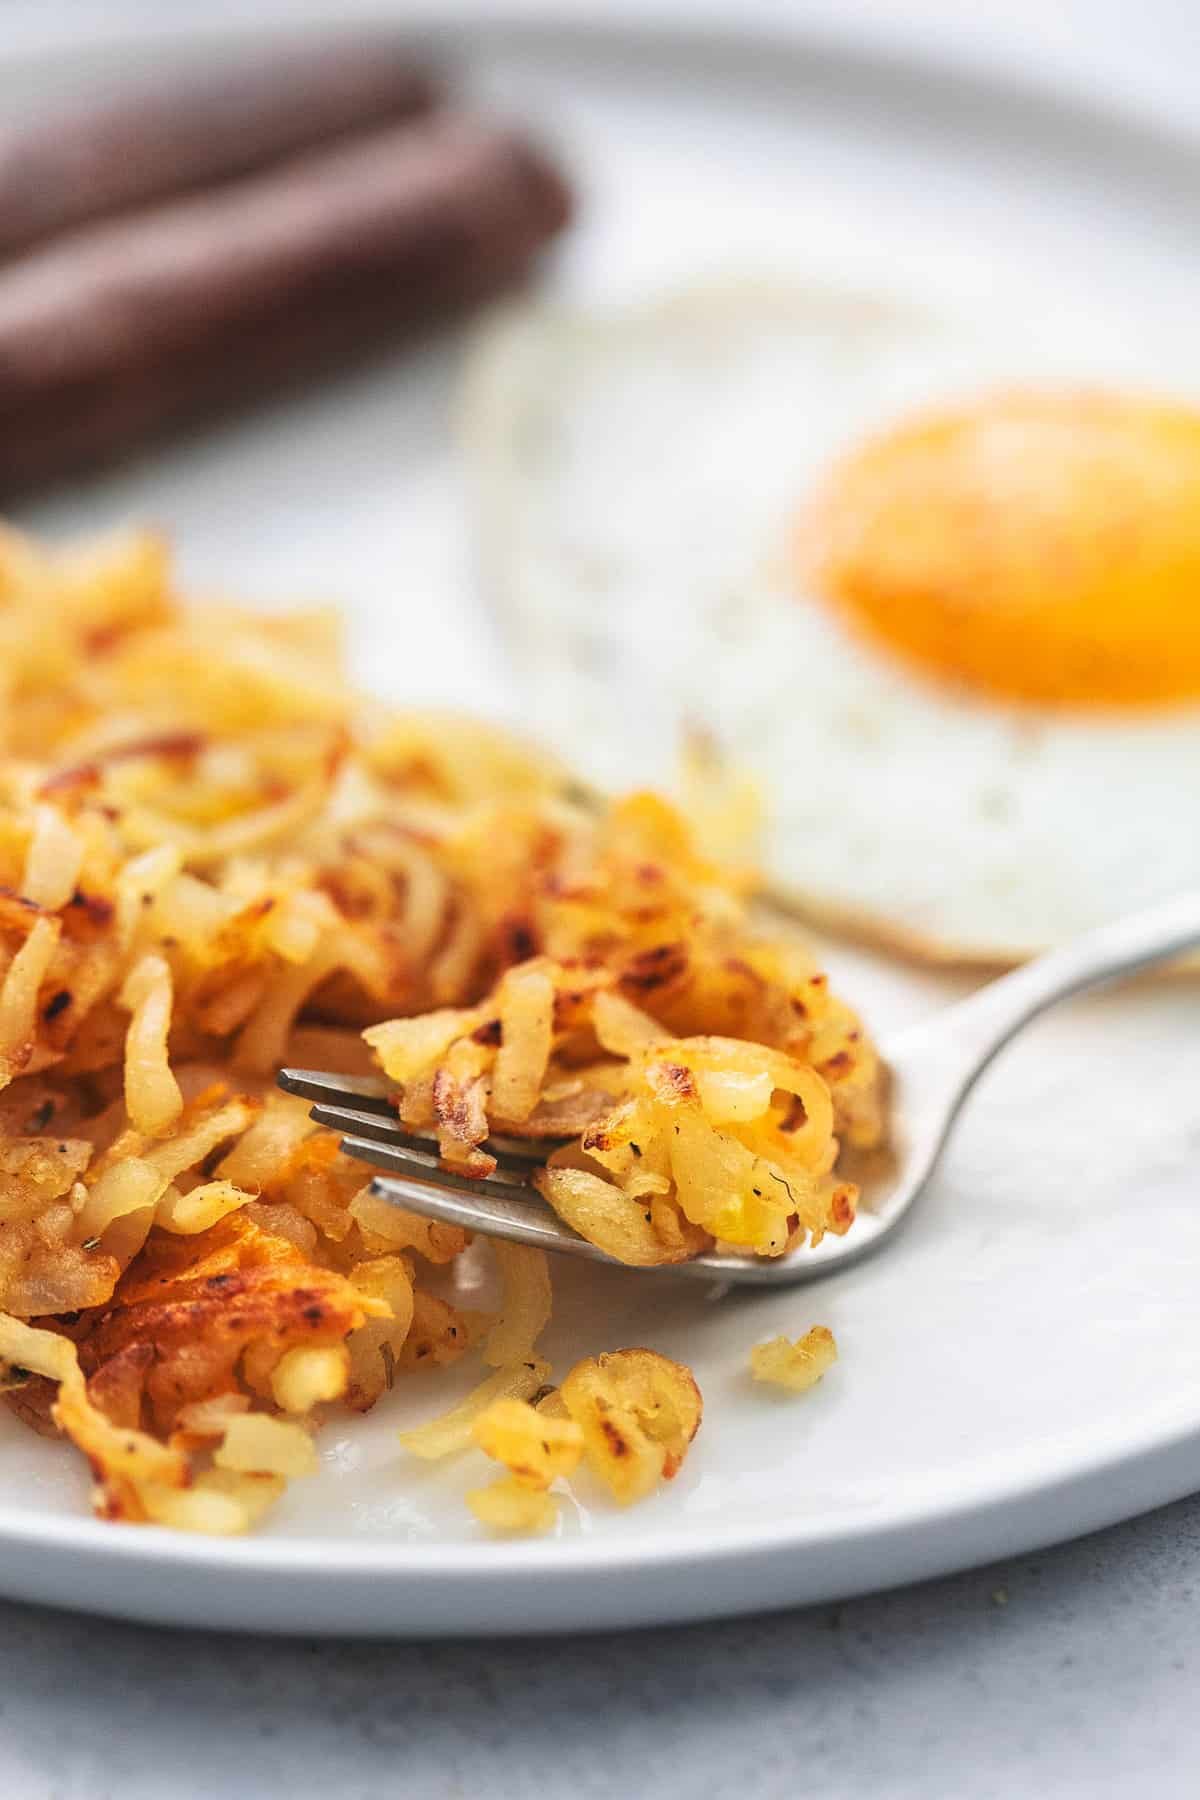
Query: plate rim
895	46
649	1548
1160	1461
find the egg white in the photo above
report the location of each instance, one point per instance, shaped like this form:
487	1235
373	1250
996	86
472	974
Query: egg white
637	477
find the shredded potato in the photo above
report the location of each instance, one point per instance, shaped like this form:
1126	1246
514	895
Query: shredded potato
53	861
219	1507
525	1007
19	996
303	1378
796	1365
124	1459
638	1413
705	1076
692	1141
525	1308
214	858
452	1430
152	1092
201	1207
535	1449
439	1333
378	1218
257	1445
208	1418
509	1505
621	1226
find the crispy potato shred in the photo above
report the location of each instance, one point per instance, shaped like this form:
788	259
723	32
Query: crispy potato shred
797	1363
216	858
703	1077
629	1414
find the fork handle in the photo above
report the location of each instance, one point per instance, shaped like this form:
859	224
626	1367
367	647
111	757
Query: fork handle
982	1024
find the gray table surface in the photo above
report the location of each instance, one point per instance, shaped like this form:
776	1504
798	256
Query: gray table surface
1072	1672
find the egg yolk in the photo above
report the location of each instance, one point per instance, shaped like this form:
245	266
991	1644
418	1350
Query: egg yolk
1038	546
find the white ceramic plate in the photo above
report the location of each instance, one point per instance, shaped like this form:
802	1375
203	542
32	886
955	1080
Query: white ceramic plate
1024	1362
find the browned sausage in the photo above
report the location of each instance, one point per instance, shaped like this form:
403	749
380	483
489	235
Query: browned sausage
104	156
161	318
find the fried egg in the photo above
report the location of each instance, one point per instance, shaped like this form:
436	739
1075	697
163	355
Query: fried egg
935	587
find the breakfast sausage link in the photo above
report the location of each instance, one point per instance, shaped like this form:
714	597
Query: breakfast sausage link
160	319
101	156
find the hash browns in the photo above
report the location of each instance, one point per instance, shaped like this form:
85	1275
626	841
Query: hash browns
215	858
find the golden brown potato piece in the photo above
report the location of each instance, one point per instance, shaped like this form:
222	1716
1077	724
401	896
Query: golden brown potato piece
797	1365
535	1449
638	1412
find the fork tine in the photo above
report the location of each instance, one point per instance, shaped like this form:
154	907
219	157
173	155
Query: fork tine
385	1128
368	1093
361	1105
420	1166
381	1128
516	1214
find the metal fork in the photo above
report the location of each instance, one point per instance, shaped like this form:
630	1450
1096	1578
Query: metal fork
934	1066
